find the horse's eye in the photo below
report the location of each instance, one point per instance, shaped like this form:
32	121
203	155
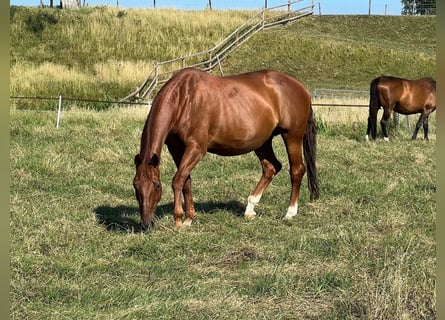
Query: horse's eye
157	185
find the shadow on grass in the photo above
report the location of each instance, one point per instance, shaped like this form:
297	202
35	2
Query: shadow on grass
127	218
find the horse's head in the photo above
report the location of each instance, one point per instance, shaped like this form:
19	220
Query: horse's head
147	187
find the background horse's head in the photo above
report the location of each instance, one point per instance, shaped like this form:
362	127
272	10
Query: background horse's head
147	187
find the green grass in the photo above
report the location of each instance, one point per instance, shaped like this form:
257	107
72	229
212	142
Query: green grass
105	53
365	250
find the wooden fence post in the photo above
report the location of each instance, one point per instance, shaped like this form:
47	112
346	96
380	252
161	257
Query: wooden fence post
59	111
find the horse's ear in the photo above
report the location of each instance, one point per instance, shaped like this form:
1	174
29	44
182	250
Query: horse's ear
154	161
137	160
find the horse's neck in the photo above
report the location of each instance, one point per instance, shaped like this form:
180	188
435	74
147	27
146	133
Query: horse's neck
155	133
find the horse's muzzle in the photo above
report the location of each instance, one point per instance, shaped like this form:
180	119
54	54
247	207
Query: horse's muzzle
146	225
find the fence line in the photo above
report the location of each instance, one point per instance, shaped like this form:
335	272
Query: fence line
119	102
59	105
78	99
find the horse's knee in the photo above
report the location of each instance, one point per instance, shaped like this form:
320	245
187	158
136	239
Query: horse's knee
179	184
270	169
297	172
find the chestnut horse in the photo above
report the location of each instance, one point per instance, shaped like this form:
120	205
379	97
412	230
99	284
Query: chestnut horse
195	113
402	96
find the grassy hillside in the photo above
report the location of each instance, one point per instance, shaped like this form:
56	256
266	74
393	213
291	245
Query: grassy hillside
344	51
104	53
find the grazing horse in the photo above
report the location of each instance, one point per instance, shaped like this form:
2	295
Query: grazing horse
403	96
195	113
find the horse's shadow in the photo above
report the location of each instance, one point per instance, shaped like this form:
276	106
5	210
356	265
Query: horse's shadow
127	218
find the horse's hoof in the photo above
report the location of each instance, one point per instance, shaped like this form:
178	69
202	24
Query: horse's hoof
288	217
187	222
249	215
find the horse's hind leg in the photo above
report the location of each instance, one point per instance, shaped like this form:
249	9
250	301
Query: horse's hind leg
271	166
423	121
384	121
296	170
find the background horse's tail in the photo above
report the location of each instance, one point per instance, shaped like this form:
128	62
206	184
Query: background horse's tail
309	150
374	105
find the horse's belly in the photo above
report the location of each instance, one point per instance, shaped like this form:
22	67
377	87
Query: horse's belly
224	150
236	144
241	130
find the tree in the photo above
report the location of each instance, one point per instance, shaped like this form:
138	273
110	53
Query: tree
419	7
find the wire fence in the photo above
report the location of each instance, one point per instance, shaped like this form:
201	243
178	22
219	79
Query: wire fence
423	7
319	94
179	4
331	100
390	7
345	112
59	105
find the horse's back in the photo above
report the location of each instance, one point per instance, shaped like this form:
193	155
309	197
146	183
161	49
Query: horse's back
407	96
246	94
238	113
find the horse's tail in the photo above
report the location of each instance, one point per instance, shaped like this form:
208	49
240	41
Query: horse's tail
309	151
374	105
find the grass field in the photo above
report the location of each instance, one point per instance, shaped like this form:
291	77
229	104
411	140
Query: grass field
364	250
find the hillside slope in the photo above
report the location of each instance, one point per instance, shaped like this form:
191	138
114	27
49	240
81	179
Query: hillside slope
344	51
104	53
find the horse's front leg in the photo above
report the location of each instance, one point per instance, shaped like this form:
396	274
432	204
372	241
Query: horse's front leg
190	212
181	185
425	129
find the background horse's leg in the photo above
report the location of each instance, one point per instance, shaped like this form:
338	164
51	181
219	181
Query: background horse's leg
425	128
368	129
384	121
423	120
296	170
271	166
372	124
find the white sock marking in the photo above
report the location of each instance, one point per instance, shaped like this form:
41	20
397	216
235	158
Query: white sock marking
291	212
252	201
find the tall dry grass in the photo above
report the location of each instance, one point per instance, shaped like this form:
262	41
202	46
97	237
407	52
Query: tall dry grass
105	53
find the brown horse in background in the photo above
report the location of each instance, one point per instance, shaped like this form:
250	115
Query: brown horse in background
195	113
402	96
